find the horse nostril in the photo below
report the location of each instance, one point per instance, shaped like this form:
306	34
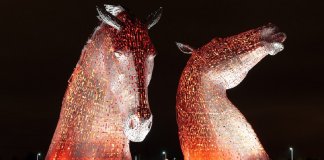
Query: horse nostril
279	37
150	125
131	124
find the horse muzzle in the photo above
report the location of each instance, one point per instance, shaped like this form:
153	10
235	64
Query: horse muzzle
137	128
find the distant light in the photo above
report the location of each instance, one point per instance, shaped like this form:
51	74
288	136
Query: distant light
291	153
38	155
163	152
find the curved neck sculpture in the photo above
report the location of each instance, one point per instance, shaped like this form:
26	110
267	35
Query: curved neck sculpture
210	126
106	102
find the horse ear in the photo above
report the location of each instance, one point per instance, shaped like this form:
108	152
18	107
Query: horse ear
153	18
184	48
107	15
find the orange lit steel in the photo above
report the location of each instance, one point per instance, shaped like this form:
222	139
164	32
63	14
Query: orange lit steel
210	126
106	102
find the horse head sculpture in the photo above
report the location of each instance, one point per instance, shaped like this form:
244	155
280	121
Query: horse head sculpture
210	126
106	102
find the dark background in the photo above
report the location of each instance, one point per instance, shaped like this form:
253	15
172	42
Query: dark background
282	97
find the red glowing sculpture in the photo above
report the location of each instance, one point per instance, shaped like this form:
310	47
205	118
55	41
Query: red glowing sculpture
210	126
106	102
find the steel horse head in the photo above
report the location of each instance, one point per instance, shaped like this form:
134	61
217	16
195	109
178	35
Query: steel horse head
106	102
210	126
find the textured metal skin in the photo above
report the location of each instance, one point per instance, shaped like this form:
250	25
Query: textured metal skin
210	126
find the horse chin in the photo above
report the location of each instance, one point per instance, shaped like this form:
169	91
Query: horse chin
275	48
136	129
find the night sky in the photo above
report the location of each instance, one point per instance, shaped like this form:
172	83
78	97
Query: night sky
282	97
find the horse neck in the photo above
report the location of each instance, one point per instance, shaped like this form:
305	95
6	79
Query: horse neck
194	83
94	126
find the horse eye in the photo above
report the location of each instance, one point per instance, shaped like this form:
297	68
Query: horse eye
118	54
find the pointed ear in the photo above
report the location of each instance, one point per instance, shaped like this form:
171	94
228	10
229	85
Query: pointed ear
109	18
153	18
184	48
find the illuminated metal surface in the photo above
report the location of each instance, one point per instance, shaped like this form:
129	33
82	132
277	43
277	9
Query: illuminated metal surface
210	126
106	102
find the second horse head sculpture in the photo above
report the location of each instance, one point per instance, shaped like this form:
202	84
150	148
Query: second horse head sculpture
210	126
